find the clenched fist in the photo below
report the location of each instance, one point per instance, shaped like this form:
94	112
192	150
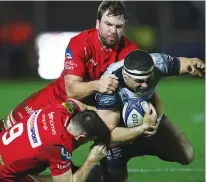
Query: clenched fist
193	66
107	84
97	153
196	67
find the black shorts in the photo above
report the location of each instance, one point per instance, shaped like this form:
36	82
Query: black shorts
119	156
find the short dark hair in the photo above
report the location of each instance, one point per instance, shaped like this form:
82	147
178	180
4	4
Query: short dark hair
138	60
116	8
93	125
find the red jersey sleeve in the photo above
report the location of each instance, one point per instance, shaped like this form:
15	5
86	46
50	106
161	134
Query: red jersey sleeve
60	161
75	56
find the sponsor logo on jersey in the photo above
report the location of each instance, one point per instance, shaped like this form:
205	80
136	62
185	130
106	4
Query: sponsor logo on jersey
65	155
51	122
63	166
29	110
43	120
68	53
32	129
105	100
70	65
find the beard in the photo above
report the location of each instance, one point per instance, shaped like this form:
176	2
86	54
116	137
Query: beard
139	90
107	42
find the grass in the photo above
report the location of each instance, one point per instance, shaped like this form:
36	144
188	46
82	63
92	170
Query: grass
183	100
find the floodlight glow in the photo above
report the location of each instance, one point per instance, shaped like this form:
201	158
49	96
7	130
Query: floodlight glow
51	50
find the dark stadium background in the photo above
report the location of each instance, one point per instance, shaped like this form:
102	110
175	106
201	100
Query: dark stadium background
176	28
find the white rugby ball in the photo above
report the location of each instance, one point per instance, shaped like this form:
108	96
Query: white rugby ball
133	112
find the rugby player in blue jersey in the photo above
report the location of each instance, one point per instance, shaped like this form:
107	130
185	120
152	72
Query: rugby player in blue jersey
139	73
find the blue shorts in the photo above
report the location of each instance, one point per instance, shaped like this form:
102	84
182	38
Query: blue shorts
119	156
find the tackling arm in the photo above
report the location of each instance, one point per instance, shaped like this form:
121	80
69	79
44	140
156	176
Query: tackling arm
75	71
79	176
95	155
76	88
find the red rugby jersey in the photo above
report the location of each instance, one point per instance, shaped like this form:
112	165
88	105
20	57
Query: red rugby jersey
86	58
38	142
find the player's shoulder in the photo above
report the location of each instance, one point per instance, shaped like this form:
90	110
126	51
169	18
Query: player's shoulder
85	35
55	107
83	41
125	47
54	112
160	58
115	68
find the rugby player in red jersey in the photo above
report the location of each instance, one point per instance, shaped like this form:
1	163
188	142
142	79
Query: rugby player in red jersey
47	138
86	58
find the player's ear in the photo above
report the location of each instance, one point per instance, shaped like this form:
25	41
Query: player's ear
97	24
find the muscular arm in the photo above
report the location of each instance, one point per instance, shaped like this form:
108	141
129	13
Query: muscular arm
173	66
95	155
79	176
76	88
75	69
119	134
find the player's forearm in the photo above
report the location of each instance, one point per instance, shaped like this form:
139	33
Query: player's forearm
184	63
124	135
82	173
80	90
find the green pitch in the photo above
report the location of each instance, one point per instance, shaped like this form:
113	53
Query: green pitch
183	101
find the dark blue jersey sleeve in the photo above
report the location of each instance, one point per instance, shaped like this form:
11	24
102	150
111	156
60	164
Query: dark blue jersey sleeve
166	64
108	101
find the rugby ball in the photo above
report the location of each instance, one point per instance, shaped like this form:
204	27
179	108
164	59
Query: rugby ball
133	112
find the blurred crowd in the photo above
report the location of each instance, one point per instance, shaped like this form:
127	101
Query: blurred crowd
176	28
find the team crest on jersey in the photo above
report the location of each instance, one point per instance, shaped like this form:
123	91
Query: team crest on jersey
65	155
68	53
32	129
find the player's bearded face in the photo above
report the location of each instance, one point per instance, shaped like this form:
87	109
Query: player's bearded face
110	29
